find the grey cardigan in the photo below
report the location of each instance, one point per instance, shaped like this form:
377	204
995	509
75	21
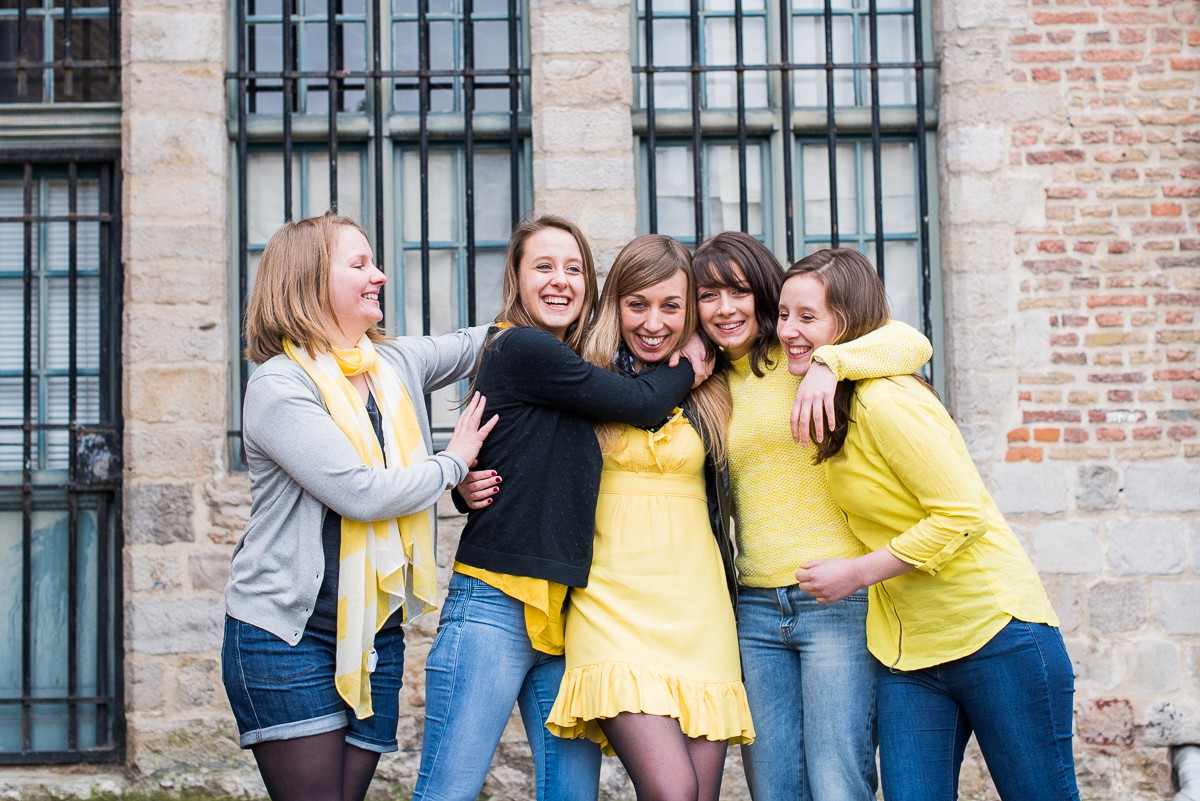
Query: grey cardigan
301	463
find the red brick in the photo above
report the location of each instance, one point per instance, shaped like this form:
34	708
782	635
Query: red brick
1018	435
1098	37
1125	174
1182	64
1119	282
1165	209
1065	17
1042	56
1157	227
1060	416
1186	393
1044	266
1111	54
1075	435
1068	358
1025	38
1060	37
1176	375
1180	355
1055	157
1168	35
1085	247
1085	282
1181	432
1144	434
1143	318
1045	74
1131	36
1119	396
1106	722
1182	191
1047	434
1073	321
1180	316
1117	378
1119	247
1190	171
1024	396
1110	319
1052	246
1082	396
1134	18
1110	435
1023	455
1065	192
1094	137
1095	301
1081	74
1064	340
1178	299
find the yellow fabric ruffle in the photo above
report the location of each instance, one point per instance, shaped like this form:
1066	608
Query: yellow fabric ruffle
590	693
543	600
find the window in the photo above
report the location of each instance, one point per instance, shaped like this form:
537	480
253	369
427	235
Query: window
60	694
430	138
59	51
742	103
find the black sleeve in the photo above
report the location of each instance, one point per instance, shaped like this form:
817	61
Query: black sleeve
460	503
540	369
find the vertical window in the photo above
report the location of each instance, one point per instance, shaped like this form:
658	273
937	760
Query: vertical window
59	463
430	136
59	51
807	123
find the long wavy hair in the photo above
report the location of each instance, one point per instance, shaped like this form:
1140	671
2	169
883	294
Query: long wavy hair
644	262
512	311
715	264
291	296
856	298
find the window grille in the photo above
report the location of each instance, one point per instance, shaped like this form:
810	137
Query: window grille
59	51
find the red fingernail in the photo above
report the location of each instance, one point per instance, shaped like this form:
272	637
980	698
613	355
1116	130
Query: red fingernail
493	472
495	489
489	500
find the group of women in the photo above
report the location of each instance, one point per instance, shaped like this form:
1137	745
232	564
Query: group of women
877	595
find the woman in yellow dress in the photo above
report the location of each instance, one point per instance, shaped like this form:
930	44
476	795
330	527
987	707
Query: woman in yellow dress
652	667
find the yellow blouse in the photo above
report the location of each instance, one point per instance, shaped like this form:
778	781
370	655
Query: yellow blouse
543	604
782	508
907	483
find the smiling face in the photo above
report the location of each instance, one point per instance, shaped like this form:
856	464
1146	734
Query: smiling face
551	282
727	315
805	321
653	319
354	285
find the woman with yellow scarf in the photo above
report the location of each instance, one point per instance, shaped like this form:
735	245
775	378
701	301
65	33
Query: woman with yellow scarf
338	554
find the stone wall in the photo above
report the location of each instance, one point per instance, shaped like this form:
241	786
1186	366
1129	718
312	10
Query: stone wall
1069	138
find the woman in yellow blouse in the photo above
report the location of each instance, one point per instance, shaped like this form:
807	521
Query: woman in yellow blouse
964	634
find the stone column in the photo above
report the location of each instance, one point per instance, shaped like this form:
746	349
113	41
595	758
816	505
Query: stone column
582	129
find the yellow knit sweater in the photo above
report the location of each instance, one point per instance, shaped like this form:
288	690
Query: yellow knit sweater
782	508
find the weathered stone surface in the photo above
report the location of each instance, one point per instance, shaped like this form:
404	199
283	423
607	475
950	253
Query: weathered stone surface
1064	594
174	626
146	684
1097	487
186	394
1155	667
1162	487
177	332
1147	547
1072	546
152	570
1176	605
1026	488
575	130
1117	605
159	513
199	684
209	569
976	148
1106	722
173	36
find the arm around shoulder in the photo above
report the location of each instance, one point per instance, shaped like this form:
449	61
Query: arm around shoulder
895	349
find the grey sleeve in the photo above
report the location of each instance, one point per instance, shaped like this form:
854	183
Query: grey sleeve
448	358
285	422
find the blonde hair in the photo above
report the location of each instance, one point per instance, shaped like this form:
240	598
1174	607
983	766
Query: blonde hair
644	262
291	297
512	311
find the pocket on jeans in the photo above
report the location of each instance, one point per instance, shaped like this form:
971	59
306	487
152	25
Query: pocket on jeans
269	660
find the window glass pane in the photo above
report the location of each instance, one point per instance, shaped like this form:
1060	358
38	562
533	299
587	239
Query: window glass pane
489	284
808	47
723	189
902	279
676	192
895	34
899	188
815	165
443	186
672	48
493	188
349	182
720	49
443	292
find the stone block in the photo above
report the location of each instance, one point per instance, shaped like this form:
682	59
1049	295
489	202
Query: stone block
147	688
1064	594
1176	605
173	451
163	146
1029	488
1142	546
177	333
576	130
166	394
1070	546
1096	665
202	84
1106	722
581	81
1003	102
980	297
1097	487
151	240
975	148
583	173
153	570
1193	667
209	569
1009	14
1162	487
178	197
202	281
984	199
989	343
174	36
159	513
1173	722
175	626
199	683
1117	605
566	30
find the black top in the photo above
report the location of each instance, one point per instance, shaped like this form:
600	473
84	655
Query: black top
544	447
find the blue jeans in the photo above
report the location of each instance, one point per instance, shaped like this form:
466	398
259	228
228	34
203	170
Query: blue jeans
481	664
810	682
1014	693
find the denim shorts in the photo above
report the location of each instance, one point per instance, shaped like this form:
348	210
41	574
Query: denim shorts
280	692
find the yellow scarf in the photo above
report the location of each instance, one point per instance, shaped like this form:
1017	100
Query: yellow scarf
384	565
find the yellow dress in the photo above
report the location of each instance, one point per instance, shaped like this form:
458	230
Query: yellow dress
653	631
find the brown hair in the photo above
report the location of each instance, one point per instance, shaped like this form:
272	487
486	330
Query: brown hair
856	298
511	309
291	299
715	264
644	262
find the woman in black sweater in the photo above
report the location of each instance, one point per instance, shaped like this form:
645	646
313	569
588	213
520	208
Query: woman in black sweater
499	641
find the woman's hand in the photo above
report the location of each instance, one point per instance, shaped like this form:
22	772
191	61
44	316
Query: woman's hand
829	580
468	434
479	487
702	357
814	403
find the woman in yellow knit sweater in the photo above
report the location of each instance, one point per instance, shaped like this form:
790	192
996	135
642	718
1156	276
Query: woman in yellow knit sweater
809	678
964	634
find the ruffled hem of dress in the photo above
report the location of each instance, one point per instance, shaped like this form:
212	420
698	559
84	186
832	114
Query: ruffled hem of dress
590	693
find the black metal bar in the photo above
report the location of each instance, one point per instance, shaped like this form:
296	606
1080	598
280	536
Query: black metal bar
73	418
922	174
289	64
789	138
22	49
697	142
740	77
469	150
26	473
876	144
423	104
831	126
114	42
377	111
332	65
68	38
514	108
243	199
651	133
